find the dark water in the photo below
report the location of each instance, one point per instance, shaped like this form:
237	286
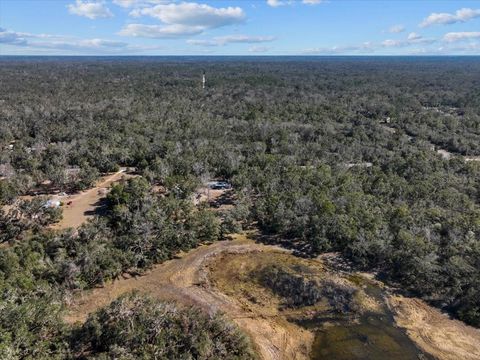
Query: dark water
373	337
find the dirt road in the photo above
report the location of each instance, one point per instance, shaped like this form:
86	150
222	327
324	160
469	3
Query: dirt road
435	332
185	280
84	203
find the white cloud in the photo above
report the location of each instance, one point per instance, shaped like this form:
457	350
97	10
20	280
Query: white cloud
243	39
392	43
364	48
412	39
89	9
193	14
461	15
312	2
395	29
21	38
460	36
98	43
414	36
86	44
258	49
160	31
182	20
388	47
135	3
197	42
472	48
228	39
125	3
277	3
448	49
10	37
71	45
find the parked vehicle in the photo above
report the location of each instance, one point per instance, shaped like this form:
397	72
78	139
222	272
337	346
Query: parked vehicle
220	185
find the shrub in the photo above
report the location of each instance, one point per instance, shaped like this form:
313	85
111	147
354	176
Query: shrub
136	327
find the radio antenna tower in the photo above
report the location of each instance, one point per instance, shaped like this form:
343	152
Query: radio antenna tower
203	80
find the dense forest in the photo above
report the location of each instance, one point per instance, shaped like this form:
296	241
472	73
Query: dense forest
324	154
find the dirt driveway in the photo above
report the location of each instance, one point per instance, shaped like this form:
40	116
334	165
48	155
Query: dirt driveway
86	202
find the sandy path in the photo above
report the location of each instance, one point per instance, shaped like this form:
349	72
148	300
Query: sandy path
435	332
185	280
84	203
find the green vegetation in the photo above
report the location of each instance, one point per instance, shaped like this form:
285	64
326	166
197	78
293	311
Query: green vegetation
294	288
139	229
325	155
27	215
299	290
135	327
132	327
37	273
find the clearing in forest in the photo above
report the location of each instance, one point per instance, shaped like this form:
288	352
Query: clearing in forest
221	277
185	280
84	204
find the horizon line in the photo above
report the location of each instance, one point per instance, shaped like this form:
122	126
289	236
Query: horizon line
247	55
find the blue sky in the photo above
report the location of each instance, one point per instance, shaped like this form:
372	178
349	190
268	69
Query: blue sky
239	27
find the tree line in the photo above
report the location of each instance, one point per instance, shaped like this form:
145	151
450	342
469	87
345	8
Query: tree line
324	155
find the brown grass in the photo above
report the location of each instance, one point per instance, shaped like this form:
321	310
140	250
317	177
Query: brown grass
215	278
434	332
186	280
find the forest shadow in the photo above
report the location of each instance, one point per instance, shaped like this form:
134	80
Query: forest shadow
101	208
298	247
227	198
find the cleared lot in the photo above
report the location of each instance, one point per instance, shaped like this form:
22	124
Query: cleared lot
84	204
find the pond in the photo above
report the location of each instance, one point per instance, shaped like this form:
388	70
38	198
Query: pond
371	336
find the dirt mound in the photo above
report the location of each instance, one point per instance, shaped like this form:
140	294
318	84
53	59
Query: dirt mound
435	332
